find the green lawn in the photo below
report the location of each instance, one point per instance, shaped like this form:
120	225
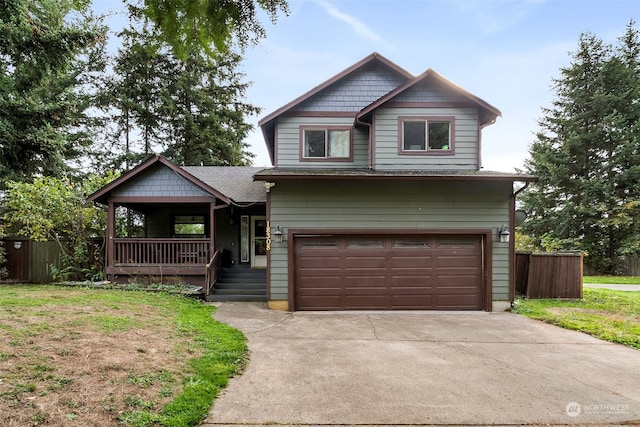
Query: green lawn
609	315
619	280
76	356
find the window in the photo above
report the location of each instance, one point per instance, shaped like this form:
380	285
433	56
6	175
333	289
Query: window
432	135
326	143
189	226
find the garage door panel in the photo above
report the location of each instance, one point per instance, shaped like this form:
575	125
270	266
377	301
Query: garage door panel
411	282
388	272
398	261
364	292
365	281
369	302
321	282
366	261
319	261
411	302
320	302
458	302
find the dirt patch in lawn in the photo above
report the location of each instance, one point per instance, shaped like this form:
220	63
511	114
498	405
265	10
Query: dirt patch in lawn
561	311
86	365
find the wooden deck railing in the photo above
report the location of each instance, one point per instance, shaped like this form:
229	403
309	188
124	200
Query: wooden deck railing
211	271
168	251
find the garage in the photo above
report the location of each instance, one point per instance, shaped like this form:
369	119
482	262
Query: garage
388	272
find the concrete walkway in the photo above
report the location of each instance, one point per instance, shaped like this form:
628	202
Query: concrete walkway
423	368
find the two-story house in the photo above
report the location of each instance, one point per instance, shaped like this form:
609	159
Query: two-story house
380	200
377	200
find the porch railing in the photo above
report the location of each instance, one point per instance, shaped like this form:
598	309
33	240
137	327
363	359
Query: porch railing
211	276
148	251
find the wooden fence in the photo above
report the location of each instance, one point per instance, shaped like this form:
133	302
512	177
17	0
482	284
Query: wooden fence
549	274
29	261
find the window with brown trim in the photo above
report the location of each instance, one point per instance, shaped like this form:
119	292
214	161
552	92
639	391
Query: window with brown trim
431	135
322	143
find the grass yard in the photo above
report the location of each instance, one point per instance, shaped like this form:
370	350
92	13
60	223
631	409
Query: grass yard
616	280
609	315
73	356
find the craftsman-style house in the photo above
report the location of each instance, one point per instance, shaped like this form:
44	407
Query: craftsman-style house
376	200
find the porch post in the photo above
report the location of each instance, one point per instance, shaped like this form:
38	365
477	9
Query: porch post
111	226
212	228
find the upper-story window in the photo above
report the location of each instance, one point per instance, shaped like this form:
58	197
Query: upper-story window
326	143
426	135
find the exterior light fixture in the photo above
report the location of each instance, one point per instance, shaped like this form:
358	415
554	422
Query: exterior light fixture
503	234
277	235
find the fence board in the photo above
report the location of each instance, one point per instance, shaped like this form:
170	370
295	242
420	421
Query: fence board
554	275
43	255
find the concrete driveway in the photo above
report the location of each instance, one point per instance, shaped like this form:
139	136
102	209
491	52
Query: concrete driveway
421	368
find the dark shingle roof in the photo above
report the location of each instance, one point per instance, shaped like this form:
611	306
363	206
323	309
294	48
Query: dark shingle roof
235	182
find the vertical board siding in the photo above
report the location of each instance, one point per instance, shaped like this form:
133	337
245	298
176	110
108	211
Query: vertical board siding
289	143
387	140
159	181
390	205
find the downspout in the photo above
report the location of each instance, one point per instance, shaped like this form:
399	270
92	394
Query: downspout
368	125
512	242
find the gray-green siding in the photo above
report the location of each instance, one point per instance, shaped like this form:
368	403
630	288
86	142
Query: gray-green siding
288	153
390	205
387	140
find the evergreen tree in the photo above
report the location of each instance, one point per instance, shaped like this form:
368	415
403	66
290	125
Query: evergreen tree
586	154
205	112
133	95
47	49
191	110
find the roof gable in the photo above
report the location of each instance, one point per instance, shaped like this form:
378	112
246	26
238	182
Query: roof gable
144	171
433	87
347	92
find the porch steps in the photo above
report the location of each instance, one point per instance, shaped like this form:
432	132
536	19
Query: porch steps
240	283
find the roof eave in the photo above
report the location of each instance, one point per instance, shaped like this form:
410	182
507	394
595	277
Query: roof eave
306	177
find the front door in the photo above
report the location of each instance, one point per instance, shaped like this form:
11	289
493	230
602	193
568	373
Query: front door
258	241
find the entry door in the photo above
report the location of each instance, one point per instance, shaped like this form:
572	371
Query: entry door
258	241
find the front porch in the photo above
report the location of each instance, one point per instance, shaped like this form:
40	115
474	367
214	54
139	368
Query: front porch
182	225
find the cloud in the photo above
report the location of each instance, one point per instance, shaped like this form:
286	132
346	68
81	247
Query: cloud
359	27
498	15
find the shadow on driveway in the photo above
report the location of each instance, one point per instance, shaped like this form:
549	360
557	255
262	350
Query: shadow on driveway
423	368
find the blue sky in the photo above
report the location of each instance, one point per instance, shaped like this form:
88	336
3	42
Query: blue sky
505	51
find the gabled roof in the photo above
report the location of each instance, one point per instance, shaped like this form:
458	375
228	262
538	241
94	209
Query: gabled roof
235	182
230	184
375	56
489	112
267	124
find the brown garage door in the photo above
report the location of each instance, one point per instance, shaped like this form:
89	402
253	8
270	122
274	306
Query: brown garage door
388	272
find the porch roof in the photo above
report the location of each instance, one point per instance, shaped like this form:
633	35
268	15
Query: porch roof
235	182
231	184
